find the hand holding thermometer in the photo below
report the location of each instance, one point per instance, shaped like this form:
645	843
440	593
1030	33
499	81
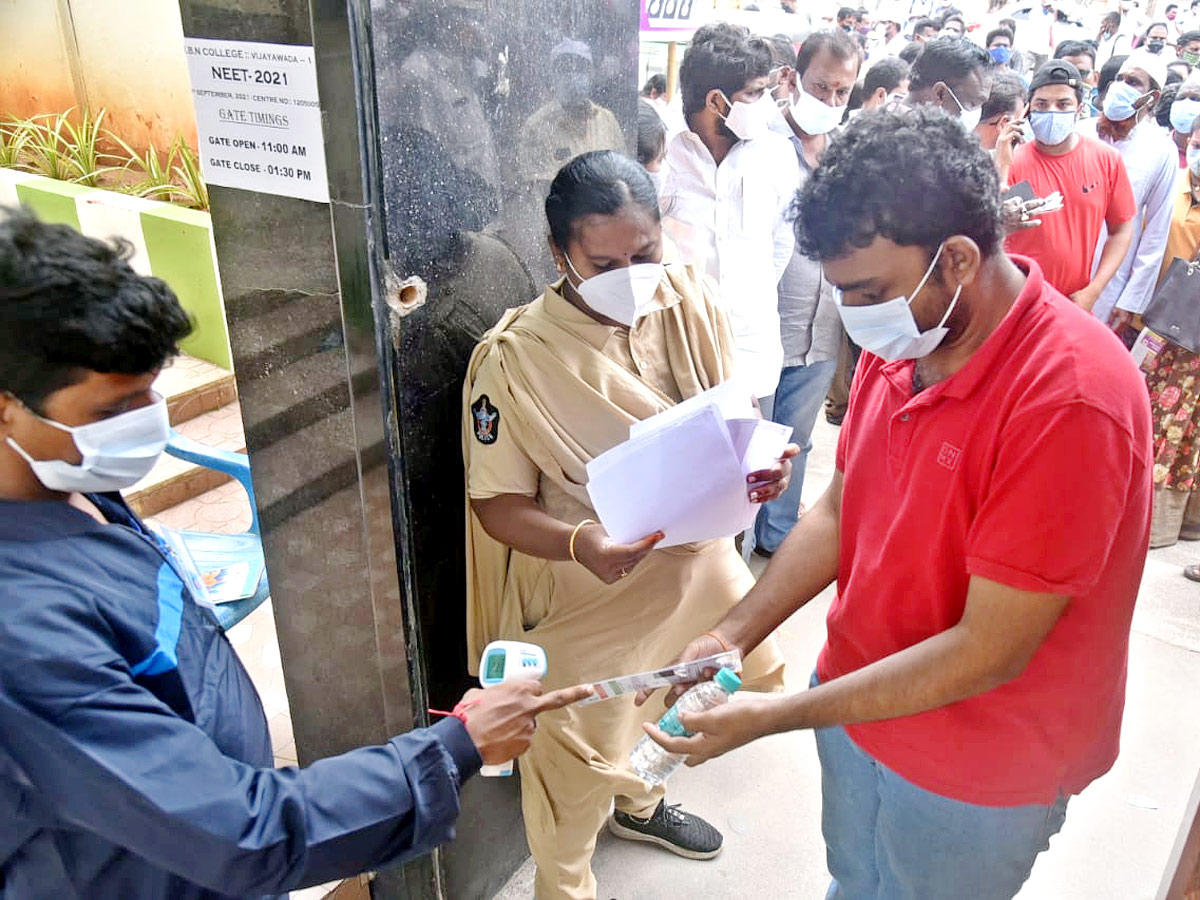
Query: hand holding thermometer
509	661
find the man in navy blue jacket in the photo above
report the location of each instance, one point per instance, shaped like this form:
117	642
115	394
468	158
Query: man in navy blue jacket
135	760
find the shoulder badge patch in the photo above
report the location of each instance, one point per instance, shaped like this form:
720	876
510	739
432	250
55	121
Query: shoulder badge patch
487	420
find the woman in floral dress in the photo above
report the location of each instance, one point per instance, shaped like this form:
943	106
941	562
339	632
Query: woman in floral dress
1174	396
1173	376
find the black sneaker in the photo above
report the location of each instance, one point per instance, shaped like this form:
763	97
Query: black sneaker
680	832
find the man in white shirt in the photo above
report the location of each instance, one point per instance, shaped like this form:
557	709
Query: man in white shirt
816	86
893	22
1037	32
729	186
1115	38
1152	163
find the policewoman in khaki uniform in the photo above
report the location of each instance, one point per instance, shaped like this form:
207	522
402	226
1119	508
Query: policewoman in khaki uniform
557	382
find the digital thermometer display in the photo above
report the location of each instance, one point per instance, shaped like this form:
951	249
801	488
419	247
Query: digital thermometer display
495	666
509	661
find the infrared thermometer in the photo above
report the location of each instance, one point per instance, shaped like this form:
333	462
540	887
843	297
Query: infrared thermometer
509	661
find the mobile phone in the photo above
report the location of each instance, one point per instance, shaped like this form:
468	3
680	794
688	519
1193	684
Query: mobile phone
1022	189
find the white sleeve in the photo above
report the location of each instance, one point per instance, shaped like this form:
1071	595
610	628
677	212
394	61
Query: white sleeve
1160	205
785	235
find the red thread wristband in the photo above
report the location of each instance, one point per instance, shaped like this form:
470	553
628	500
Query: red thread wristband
459	712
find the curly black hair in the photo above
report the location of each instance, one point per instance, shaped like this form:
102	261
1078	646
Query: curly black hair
70	304
915	177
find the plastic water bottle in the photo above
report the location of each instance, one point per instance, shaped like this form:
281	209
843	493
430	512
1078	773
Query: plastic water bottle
649	760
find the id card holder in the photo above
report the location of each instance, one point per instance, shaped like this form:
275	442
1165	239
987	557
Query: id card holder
183	563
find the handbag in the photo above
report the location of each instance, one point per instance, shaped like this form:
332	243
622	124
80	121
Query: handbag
1174	310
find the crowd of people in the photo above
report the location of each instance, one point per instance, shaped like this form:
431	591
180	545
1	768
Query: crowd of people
815	210
1119	123
950	248
1054	163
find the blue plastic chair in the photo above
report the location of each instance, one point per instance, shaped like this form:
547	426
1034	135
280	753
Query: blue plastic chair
215	551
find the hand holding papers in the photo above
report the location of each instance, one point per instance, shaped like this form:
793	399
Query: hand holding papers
683	472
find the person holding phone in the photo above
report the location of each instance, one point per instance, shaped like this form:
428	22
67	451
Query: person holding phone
1002	126
1091	179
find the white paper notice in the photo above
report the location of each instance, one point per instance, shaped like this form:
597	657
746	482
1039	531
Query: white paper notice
258	117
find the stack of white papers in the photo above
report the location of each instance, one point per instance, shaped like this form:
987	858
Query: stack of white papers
683	472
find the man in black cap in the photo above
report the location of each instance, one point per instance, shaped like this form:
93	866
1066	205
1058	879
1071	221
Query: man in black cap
1091	179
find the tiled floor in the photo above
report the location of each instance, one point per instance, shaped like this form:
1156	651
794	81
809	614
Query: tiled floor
224	510
193	387
219	428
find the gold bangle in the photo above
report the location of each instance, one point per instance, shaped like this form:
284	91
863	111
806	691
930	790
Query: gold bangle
575	534
720	640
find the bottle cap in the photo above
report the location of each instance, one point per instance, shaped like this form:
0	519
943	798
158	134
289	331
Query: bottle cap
728	680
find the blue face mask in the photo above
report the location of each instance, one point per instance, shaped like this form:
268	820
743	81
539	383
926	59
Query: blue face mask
1119	101
1193	160
1002	55
1183	115
1051	127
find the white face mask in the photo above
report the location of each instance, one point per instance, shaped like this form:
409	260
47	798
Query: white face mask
751	120
117	452
622	295
814	116
658	179
969	117
889	330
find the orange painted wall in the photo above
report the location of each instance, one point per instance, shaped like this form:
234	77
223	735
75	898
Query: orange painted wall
130	61
35	76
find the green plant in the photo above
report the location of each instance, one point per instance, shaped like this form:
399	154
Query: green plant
83	143
155	182
45	153
56	146
61	149
14	135
194	189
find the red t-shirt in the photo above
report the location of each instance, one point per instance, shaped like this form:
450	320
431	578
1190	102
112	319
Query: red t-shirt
1030	466
1095	190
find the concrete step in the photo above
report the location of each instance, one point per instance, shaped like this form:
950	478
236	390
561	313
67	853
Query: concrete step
173	481
194	387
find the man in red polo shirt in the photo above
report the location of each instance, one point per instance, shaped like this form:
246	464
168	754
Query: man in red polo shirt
987	527
1092	180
